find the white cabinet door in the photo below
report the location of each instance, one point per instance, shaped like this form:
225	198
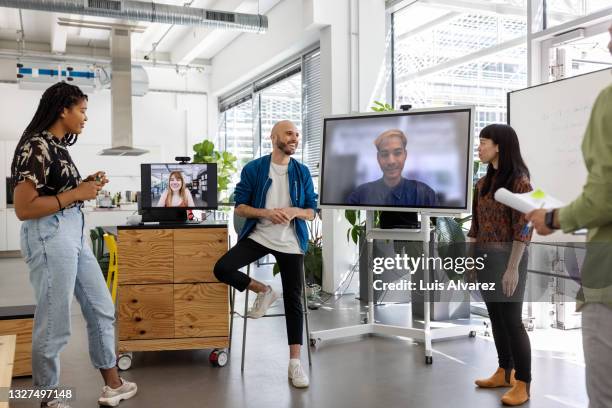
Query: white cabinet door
3	175
7	154
2	230
13	228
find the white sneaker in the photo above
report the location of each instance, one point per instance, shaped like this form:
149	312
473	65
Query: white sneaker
263	301
298	377
54	404
111	397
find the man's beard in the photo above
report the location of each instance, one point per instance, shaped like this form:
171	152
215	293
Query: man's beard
285	148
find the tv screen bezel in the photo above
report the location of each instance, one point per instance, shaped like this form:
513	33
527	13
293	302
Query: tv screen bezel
152	207
438	210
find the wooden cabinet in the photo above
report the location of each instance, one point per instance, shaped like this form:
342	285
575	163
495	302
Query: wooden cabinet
146	312
146	256
195	254
201	310
7	354
168	296
19	321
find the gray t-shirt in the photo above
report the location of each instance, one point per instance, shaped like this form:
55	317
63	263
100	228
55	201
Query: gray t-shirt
279	237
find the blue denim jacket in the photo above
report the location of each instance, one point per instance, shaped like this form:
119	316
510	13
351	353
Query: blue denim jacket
255	182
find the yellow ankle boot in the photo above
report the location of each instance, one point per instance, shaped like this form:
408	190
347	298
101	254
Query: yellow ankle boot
518	395
498	379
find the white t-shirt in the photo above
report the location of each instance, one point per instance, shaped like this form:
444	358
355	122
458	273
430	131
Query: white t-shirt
279	237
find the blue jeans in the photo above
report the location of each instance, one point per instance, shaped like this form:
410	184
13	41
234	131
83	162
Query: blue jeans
61	264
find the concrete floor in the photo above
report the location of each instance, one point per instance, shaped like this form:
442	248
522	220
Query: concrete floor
360	372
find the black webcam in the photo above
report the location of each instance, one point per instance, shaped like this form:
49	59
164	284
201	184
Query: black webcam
182	159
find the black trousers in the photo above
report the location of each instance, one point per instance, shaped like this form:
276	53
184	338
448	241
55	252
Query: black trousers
511	339
290	265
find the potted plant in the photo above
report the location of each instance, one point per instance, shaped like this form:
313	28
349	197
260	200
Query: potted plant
205	153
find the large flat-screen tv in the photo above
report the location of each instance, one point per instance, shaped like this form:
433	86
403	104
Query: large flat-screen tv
189	186
419	161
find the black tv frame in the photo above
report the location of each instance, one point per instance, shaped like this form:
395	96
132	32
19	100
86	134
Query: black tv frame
438	210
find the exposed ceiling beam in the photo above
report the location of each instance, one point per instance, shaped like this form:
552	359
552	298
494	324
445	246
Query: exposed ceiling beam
153	32
197	39
59	35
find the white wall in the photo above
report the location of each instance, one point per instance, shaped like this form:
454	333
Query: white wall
252	54
167	124
351	66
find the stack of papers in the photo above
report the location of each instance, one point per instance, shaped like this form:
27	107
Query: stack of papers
526	202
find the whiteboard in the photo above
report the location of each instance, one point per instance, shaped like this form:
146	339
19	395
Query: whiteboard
550	121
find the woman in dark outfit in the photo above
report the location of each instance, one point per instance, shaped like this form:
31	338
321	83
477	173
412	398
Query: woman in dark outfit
500	233
49	195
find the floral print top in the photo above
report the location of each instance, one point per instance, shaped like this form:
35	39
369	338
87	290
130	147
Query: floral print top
44	160
492	221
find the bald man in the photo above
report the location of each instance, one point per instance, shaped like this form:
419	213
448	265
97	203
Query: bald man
392	189
276	196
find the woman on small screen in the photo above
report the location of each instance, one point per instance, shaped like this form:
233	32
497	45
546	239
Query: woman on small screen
177	194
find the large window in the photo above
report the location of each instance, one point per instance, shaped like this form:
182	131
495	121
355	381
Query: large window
283	100
289	93
460	56
551	13
238	132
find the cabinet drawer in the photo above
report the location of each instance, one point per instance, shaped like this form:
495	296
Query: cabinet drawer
23	349
146	312
201	310
145	257
195	253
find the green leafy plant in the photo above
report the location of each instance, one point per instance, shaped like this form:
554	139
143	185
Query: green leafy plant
205	153
357	225
381	107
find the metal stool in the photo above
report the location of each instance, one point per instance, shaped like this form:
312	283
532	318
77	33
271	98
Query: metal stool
238	224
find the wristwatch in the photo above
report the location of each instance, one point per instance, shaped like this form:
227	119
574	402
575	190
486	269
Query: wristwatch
549	220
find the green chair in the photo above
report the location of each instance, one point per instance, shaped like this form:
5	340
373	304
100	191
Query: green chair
97	242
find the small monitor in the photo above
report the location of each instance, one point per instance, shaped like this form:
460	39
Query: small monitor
190	186
419	161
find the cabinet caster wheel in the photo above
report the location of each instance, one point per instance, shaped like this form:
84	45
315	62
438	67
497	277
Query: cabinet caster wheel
473	333
428	360
218	358
487	334
124	362
315	343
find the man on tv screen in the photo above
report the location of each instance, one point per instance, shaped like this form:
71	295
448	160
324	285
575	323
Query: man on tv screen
392	189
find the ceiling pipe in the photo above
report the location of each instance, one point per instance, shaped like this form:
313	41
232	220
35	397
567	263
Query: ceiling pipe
147	11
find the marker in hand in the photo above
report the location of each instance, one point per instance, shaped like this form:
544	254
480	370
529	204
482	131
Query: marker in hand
528	226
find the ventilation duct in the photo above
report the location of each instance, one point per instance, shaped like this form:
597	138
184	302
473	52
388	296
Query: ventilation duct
121	96
147	11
